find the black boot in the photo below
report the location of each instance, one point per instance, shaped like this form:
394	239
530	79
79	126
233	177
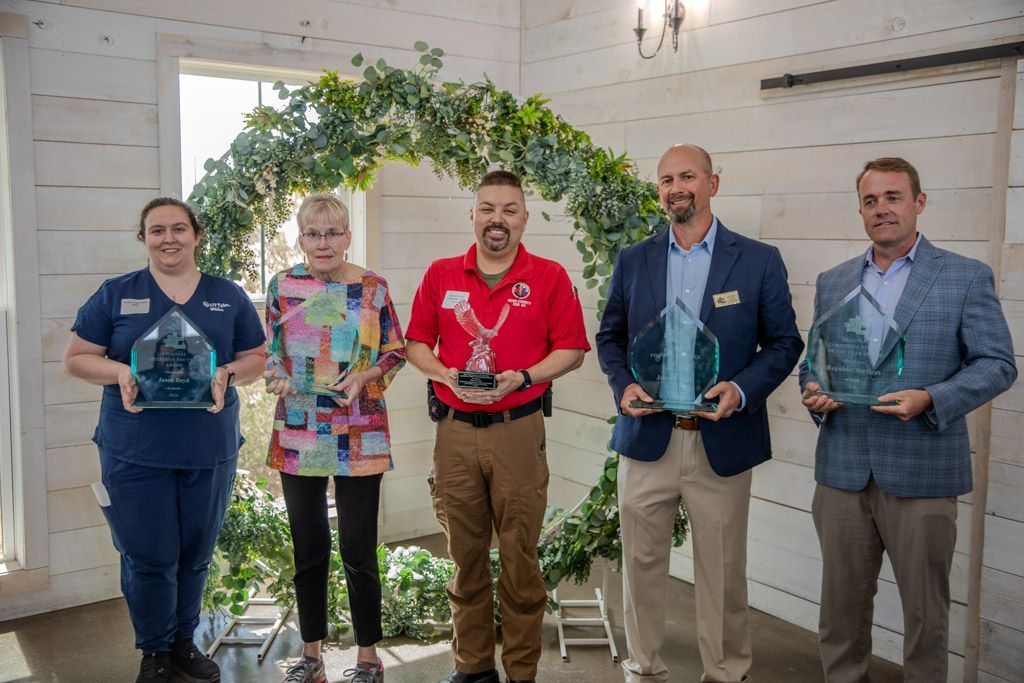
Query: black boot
155	668
191	665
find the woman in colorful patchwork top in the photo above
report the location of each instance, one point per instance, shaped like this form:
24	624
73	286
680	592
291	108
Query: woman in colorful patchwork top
336	345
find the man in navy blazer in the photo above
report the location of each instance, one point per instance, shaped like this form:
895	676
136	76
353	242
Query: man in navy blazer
737	287
888	475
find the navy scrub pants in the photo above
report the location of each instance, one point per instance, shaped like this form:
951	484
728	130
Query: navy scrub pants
165	523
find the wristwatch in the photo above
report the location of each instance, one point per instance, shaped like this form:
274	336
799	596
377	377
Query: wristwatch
231	375
527	382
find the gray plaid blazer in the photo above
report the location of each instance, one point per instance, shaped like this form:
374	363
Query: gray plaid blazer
958	347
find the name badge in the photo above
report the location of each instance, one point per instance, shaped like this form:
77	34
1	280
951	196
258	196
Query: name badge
452	297
134	306
726	298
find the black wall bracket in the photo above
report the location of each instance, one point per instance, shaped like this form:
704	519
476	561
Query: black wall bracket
896	66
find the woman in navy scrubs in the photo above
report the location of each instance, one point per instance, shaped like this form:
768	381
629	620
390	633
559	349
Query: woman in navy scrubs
167	472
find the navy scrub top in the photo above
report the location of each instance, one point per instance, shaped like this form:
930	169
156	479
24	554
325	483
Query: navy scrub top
115	316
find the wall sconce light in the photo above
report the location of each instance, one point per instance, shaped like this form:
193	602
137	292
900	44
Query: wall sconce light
673	17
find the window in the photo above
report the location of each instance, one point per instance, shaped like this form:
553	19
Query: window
213	109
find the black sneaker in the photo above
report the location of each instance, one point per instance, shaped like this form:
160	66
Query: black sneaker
191	665
155	668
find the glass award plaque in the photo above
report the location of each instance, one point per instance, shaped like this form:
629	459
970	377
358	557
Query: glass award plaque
674	359
297	351
173	363
480	369
855	350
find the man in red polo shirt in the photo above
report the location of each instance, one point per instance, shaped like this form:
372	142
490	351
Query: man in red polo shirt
490	465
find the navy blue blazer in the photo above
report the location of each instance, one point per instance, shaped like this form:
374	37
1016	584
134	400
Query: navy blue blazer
958	348
758	343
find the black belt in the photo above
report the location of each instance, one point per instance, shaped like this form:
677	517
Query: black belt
480	419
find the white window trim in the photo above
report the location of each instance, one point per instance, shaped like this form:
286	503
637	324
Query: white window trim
259	61
24	566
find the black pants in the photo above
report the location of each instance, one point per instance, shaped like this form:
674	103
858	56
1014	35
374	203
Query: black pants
357	500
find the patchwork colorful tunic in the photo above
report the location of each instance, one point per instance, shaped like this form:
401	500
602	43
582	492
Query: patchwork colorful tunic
320	331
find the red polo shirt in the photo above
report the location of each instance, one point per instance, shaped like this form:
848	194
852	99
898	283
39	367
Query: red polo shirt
544	315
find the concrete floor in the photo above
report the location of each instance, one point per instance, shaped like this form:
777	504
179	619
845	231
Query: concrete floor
94	644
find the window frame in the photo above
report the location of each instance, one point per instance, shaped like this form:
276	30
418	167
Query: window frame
193	55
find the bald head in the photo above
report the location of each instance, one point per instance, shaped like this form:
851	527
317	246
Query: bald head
687	151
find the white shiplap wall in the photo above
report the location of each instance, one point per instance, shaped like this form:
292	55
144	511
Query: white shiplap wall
95	97
788	161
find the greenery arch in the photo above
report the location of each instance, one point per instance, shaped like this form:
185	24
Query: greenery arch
338	132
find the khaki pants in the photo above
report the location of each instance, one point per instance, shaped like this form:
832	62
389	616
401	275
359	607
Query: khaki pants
717	507
919	534
496	475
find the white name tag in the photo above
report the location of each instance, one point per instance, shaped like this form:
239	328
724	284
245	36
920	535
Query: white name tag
134	306
452	297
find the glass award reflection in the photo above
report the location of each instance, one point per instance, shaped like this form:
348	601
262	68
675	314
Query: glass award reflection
480	369
295	348
173	363
855	350
674	359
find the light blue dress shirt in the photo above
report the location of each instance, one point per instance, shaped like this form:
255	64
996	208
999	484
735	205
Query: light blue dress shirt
686	280
886	288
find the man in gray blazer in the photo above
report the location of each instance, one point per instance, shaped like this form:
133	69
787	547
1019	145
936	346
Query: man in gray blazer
888	475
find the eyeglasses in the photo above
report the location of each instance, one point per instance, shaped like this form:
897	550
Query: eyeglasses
332	236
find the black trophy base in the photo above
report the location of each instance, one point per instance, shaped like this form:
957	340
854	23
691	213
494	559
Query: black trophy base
851	398
682	408
476	380
173	404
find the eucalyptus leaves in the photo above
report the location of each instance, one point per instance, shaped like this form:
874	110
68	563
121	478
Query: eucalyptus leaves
340	132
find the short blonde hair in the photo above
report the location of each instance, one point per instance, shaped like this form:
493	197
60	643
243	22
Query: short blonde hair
322	205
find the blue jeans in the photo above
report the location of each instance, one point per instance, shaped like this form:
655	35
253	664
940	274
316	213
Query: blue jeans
165	523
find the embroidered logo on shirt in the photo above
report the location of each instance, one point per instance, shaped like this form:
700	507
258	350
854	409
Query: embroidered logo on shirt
521	290
215	306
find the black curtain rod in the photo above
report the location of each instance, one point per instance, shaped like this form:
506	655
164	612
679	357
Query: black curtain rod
896	66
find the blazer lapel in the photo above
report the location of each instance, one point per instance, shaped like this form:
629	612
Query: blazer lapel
926	267
657	268
723	257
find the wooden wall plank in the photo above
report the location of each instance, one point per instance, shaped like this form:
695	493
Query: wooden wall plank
590	60
68	119
67	74
87	548
81	165
1002	598
329	20
941	110
71	424
949	215
62	28
86	251
59	388
75	508
1003	540
91	208
833	168
723	11
1002	654
737	86
62	295
66	590
71	466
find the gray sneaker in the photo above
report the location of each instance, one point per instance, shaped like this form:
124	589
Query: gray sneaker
366	673
306	671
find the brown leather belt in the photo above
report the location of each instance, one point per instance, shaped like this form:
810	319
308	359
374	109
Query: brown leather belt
685	422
